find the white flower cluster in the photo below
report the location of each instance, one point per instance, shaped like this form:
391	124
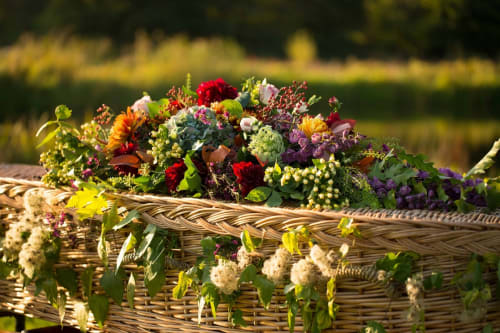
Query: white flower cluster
322	261
31	256
34	202
276	266
225	276
304	272
14	236
414	289
244	258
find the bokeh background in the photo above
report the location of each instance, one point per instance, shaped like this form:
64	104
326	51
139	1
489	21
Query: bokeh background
424	71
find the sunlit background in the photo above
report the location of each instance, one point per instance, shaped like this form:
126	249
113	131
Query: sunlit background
424	71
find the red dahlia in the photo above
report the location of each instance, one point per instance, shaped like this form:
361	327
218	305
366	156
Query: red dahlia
174	174
248	176
215	91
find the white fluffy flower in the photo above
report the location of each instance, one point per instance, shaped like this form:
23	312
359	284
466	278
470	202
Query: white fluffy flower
319	258
31	256
267	91
276	267
34	202
244	258
304	273
225	276
142	104
81	315
247	124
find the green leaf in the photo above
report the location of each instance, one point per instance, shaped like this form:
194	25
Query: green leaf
274	200
347	227
293	307
434	281
99	305
233	107
291	242
113	286
192	180
418	162
323	319
133	214
463	206
183	283
62	112
110	219
487	329
154	109
49	137
102	250
61	306
49	286
265	289
486	162
237	319
131	290
48	123
86	277
247	241
146	241
248	274
127	245
373	327
441	193
297	196
333	309
88	202
67	278
259	194
154	265
330	289
6	269
209	291
390	200
208	246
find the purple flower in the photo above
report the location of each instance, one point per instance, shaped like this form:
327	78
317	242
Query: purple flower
303	142
87	173
385	148
404	190
422	174
315	138
296	135
390	185
449	173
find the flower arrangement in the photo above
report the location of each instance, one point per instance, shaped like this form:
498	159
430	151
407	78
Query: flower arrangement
260	144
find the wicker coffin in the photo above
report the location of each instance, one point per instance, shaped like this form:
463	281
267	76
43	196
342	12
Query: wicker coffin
445	242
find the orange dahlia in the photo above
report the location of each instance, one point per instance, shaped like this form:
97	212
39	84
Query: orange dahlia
310	125
124	128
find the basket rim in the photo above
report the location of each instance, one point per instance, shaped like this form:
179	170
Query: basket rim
474	220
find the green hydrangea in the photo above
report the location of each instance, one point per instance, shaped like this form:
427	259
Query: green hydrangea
267	144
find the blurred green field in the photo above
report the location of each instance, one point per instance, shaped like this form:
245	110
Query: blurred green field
446	109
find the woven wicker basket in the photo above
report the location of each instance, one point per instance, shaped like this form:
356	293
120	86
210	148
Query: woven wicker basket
444	241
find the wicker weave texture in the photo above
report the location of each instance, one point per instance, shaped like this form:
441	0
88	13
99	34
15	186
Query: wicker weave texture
445	241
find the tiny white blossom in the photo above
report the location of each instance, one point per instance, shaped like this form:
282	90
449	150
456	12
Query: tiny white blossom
301	107
247	124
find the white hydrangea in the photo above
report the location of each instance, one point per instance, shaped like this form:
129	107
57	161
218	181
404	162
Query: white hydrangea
244	258
31	256
14	235
34	202
276	266
225	276
319	258
304	273
414	289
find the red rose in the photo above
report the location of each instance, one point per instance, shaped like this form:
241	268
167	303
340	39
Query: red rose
215	91
174	174
126	168
338	125
248	176
333	117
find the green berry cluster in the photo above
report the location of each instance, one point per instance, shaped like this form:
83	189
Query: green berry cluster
314	184
66	160
164	148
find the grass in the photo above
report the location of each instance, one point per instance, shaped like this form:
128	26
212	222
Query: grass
446	109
